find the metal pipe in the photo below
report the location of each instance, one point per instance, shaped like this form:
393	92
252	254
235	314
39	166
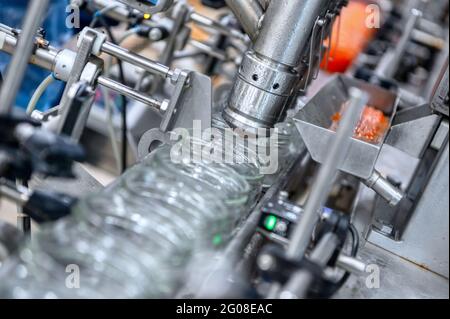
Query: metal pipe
286	29
249	13
133	58
384	188
268	76
16	69
327	173
389	64
351	264
216	53
209	23
44	58
126	91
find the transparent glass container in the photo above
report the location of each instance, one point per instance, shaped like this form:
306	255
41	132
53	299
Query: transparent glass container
288	144
190	206
229	187
107	260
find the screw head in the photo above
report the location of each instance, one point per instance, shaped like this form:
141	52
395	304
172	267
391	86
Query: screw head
155	34
266	262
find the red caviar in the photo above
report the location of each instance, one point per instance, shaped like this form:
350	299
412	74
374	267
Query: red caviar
371	127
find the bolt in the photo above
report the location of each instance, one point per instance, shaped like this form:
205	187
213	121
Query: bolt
266	262
155	34
164	105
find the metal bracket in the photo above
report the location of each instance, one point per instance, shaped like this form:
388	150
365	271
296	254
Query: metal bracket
191	101
85	47
80	99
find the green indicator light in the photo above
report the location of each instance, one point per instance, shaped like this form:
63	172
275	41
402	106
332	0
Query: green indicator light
217	240
270	222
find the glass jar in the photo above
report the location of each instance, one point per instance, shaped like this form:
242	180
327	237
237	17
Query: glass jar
228	187
193	206
288	144
106	260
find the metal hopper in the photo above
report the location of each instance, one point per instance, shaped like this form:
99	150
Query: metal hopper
315	120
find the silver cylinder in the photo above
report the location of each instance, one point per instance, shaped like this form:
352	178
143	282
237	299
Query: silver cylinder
260	93
286	29
44	58
384	188
268	76
130	57
126	91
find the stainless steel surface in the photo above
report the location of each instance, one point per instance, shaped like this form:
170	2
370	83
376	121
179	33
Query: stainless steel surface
440	138
17	67
249	13
260	93
321	187
315	120
425	241
286	30
384	188
398	279
268	74
413	129
190	107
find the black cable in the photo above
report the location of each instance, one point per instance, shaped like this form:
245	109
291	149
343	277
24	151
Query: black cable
99	18
332	288
355	242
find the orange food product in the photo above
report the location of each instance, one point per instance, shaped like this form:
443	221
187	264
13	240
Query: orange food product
372	126
354	35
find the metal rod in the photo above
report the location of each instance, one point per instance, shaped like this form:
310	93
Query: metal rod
384	188
209	23
16	69
126	91
130	57
286	29
298	286
351	264
249	13
44	58
389	64
322	186
216	53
